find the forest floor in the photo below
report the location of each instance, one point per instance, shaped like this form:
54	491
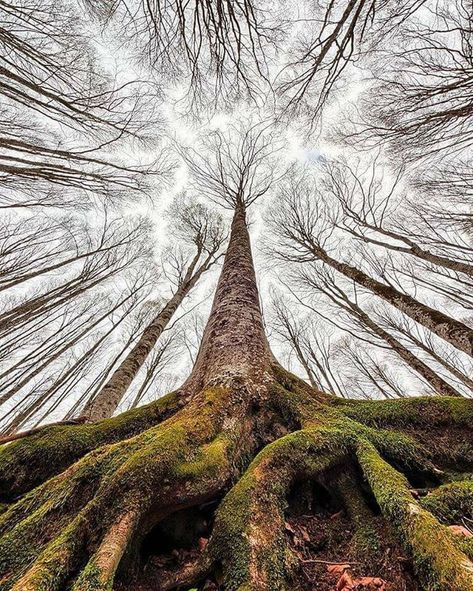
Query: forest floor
321	537
326	541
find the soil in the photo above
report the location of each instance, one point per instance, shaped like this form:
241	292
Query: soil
323	538
319	535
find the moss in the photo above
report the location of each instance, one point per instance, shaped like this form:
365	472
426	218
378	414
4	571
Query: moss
107	481
409	411
27	462
249	528
91	579
451	502
48	573
440	564
365	541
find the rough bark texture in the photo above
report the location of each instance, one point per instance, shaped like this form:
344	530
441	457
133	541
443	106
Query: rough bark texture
234	343
194	490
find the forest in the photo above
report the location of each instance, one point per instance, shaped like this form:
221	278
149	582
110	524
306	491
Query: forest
236	295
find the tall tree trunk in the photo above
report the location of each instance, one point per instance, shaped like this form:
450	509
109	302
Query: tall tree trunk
242	435
109	397
453	331
430	376
234	342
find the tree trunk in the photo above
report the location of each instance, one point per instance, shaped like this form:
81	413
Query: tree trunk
109	397
197	489
454	332
439	385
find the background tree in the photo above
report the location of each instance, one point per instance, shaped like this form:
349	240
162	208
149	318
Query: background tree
195	224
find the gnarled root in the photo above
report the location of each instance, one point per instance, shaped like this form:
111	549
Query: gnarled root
87	526
185	460
436	558
31	460
249	529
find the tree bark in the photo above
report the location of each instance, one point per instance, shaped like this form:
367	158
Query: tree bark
453	331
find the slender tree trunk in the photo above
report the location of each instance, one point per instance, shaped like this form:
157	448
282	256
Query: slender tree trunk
415	250
440	360
430	376
109	397
453	331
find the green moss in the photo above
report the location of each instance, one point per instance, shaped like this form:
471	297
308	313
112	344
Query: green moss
27	462
91	579
440	564
409	411
451	502
249	528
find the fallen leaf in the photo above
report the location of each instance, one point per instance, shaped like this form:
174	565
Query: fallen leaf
203	543
460	530
336	569
347	583
371	581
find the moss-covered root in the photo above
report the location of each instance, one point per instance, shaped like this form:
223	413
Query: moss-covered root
452	502
438	561
28	462
184	461
61	556
407	412
366	539
99	573
249	528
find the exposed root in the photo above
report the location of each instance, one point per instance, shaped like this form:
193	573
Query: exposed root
249	529
185	460
404	412
99	573
451	503
437	560
76	529
28	432
29	461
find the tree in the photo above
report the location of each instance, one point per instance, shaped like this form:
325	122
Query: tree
306	338
194	223
372	213
366	328
419	103
241	433
304	233
64	117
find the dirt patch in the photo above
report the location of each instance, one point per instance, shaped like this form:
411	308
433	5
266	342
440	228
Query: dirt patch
322	538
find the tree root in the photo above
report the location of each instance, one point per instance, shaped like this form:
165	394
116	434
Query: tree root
31	460
185	460
437	560
452	502
249	528
75	529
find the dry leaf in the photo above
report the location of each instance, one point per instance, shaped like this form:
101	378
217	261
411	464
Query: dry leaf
336	569
460	530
